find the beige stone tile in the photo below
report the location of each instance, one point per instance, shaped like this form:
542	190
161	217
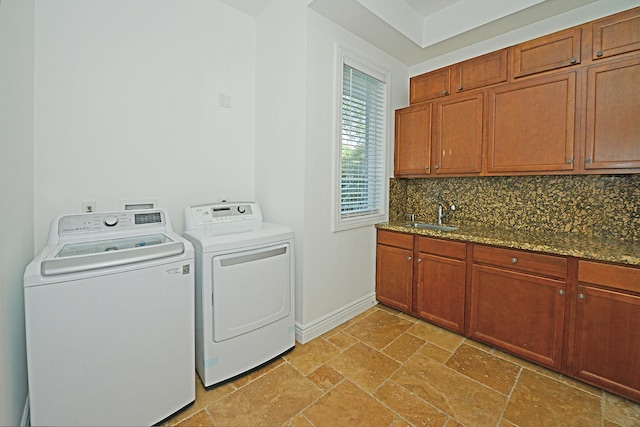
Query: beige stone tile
348	405
529	365
608	423
453	393
479	345
325	377
408	317
199	419
342	340
399	422
338	329
436	353
494	372
582	386
538	400
379	329
453	423
298	421
407	405
505	423
388	309
364	365
308	357
621	411
272	399
436	335
403	347
245	379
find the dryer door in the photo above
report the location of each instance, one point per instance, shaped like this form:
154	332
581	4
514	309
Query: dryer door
251	289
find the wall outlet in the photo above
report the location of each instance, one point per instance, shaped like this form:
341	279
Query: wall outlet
88	207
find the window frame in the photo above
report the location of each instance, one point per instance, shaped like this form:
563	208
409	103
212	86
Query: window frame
340	223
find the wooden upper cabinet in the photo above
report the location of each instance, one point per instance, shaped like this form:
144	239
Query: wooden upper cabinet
413	140
557	50
532	125
616	34
457	147
613	116
434	84
482	71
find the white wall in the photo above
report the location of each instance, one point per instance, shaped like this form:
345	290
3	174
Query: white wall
339	267
16	193
295	142
127	105
578	16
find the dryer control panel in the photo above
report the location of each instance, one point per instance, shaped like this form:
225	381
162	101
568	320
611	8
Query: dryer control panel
221	213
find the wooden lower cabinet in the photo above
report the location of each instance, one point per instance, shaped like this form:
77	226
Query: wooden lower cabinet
520	313
441	282
394	270
607	328
578	317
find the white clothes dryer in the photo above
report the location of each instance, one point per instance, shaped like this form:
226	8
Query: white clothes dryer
244	288
109	315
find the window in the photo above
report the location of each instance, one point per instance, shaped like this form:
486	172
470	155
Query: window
362	145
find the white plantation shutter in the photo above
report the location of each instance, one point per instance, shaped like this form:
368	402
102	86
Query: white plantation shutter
362	146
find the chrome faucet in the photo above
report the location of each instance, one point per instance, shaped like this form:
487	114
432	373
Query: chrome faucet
442	211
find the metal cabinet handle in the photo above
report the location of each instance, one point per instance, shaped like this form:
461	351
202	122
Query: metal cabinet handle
573	61
426	167
581	296
437	167
587	160
514	260
419	259
599	53
459	88
409	258
445	92
569	161
561	292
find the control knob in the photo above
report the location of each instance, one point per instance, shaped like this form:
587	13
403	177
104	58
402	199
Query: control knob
110	220
241	209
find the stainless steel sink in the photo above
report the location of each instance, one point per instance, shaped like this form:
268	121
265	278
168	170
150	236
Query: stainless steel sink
430	226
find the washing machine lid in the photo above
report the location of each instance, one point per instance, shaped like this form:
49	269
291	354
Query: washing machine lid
238	235
84	256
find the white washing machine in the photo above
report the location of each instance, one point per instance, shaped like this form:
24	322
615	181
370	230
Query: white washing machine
244	288
109	311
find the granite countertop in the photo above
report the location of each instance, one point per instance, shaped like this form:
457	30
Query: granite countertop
594	248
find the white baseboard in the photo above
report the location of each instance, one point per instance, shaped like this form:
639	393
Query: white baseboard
309	331
25	421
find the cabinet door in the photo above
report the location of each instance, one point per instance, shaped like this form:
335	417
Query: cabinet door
394	277
557	50
482	71
434	84
521	313
441	289
613	116
607	340
458	137
413	140
616	34
532	125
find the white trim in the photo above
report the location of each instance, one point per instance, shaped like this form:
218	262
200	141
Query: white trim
343	56
305	333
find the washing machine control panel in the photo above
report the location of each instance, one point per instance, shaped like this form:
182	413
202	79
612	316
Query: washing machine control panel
107	221
222	213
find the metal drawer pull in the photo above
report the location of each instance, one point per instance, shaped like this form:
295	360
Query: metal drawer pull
409	258
581	296
599	53
514	260
573	61
561	292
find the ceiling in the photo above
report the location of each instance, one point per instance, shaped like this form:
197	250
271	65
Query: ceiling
414	31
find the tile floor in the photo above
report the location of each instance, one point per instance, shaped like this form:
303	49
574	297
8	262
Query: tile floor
385	368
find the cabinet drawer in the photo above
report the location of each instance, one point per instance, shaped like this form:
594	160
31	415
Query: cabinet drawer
430	85
481	71
617	34
400	240
445	248
557	50
615	276
548	265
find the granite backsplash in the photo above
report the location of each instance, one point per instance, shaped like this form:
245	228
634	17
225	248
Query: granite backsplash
591	205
